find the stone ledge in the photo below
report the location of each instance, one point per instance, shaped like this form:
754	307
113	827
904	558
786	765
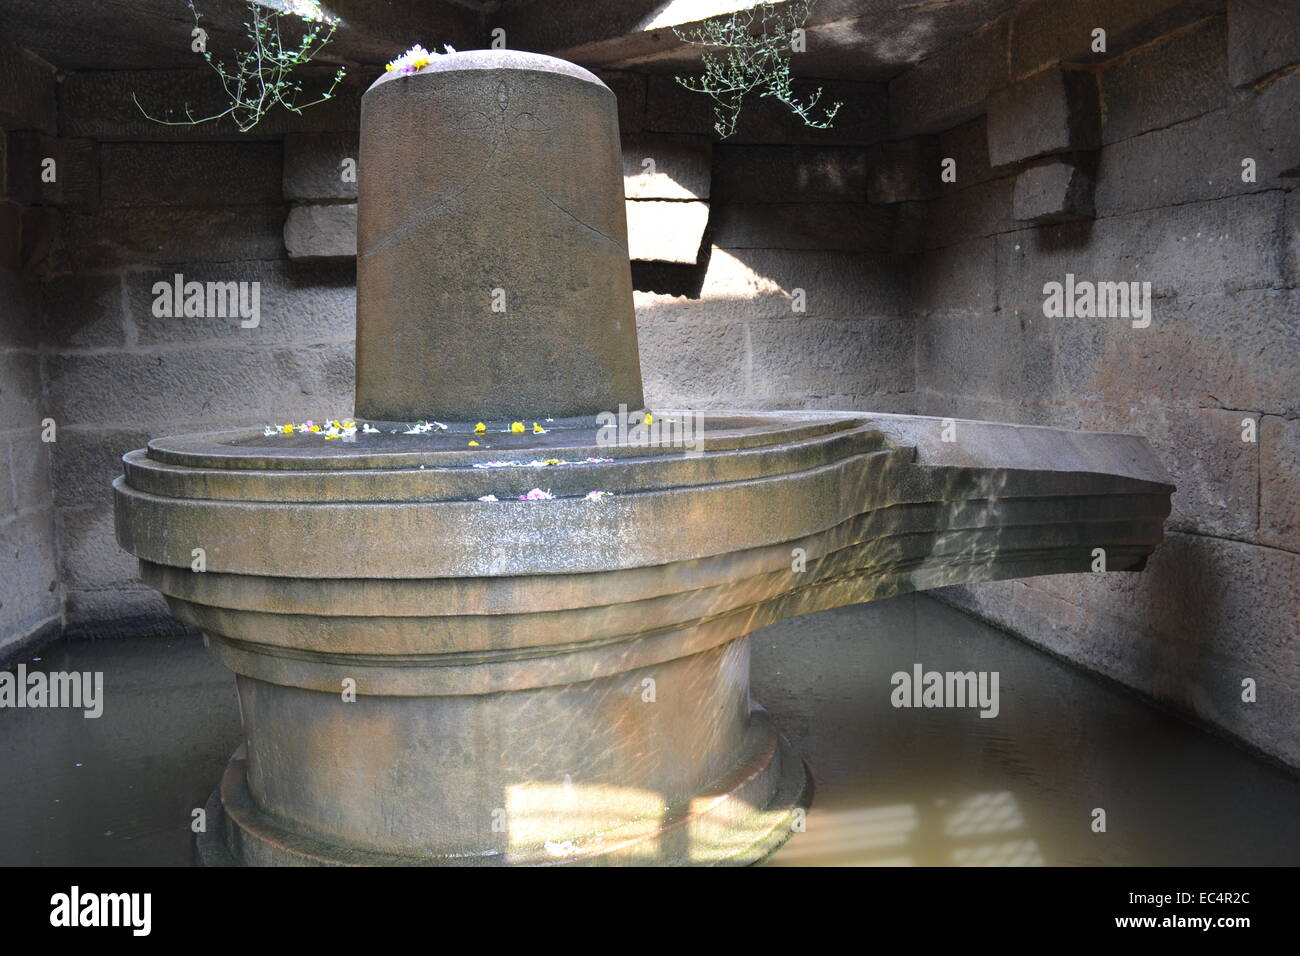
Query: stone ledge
321	231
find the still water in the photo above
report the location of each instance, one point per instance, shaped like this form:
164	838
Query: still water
894	786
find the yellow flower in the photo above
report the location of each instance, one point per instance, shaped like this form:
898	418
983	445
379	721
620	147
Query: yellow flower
649	419
517	427
552	461
287	429
538	429
473	444
388	67
314	428
480	428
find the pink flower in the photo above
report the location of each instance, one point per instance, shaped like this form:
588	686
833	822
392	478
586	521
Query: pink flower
537	495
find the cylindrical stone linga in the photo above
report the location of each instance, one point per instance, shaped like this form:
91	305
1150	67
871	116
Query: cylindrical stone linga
493	278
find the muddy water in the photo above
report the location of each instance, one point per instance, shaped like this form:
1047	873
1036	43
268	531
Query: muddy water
907	786
894	786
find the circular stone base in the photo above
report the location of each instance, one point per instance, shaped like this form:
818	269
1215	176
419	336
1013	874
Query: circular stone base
721	826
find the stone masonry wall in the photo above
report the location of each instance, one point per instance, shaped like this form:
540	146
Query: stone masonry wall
799	298
1159	135
31	605
135	204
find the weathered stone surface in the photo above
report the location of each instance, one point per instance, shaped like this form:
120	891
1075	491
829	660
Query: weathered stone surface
28	568
754	174
82	312
911	222
792	361
316	166
321	231
1190	640
298	303
1051	112
1291	239
84	458
200	384
1279	482
20	388
1177	78
11	236
119	612
983	209
691	364
1263	37
46	170
29	468
19	322
119	236
1057	190
1203	157
534	144
1000	358
743	284
1194	249
29	100
968	146
191	174
903	171
957	280
89	556
630	90
1047	32
661	166
38	250
666	231
950	88
1232	350
1216	473
839	226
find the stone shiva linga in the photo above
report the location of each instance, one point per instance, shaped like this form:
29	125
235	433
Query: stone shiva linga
434	671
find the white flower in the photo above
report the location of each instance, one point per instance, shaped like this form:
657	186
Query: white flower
488	498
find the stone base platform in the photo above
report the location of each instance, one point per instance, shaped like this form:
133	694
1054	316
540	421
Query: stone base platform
428	677
738	821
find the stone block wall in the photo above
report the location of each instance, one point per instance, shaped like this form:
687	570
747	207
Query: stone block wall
89	346
798	294
31	600
1128	166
